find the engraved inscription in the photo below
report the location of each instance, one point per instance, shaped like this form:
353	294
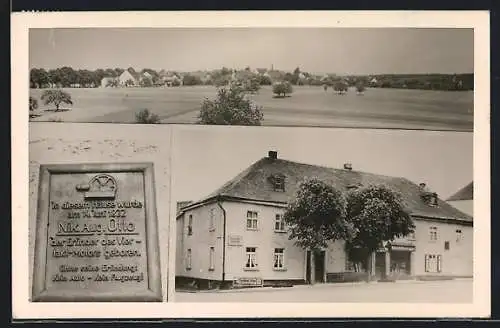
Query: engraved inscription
96	232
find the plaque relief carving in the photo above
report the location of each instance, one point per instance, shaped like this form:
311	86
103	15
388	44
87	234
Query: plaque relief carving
97	235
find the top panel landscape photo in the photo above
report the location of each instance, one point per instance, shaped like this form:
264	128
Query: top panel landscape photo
403	78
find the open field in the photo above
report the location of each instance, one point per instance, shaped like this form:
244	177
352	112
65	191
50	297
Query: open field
308	106
454	291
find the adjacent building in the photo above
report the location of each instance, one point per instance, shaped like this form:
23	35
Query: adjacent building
464	199
236	235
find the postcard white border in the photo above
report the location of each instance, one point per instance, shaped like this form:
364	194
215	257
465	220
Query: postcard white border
21	22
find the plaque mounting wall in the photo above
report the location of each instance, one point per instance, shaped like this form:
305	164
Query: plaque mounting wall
96	234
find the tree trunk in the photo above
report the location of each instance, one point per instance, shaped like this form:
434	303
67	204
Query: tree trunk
57	107
370	267
313	268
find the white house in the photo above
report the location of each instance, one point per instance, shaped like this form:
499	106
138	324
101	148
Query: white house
236	235
129	78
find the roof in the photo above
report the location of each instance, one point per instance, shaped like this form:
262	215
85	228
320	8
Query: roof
466	193
134	74
252	184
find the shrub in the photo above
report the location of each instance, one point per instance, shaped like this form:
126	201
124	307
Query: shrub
33	104
230	107
146	117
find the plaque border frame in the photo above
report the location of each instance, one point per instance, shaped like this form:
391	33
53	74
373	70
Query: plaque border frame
154	291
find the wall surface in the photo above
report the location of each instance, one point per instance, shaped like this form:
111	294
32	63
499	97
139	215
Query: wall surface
200	241
265	239
457	261
56	143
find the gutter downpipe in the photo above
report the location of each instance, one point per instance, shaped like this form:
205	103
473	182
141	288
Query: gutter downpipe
219	198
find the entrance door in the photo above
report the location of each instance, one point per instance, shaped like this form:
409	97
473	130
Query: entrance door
319	266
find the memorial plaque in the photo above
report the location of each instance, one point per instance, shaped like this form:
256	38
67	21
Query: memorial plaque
96	237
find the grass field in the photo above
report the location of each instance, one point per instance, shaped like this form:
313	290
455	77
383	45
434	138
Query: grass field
308	106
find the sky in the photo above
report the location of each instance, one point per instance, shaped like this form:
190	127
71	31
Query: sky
204	159
315	50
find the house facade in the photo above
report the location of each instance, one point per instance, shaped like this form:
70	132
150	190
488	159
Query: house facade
464	199
236	235
129	78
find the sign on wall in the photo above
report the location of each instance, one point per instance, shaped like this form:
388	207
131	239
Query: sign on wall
235	240
96	234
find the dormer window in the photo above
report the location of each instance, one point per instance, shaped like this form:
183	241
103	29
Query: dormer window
278	182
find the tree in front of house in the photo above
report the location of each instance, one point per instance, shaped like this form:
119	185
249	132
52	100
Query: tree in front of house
316	217
230	107
378	214
281	89
56	97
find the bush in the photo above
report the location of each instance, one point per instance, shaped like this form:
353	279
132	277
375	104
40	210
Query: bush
230	107
33	104
146	117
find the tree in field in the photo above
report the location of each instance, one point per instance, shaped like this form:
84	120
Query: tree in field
56	97
340	87
378	215
230	107
317	216
146	117
281	89
33	104
360	88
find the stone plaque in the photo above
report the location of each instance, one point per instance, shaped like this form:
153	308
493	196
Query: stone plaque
96	237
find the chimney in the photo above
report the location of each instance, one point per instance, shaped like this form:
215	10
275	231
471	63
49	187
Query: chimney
272	154
348	166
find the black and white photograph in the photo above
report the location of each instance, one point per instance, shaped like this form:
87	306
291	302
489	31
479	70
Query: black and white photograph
373	216
408	78
286	164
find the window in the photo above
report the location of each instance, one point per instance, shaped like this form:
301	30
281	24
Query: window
252	220
211	226
433	233
459	235
279	223
446	245
190	225
433	263
251	258
279	183
279	259
188	259
212	259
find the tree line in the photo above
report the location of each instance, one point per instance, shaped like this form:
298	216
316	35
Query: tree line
67	77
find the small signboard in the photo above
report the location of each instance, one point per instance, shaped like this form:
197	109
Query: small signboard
248	282
235	240
96	234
